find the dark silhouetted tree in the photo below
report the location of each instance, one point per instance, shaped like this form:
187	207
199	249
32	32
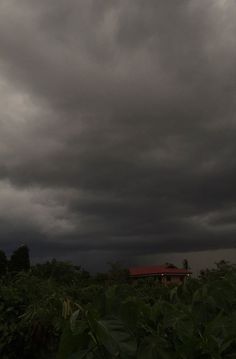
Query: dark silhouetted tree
117	273
61	272
20	260
3	263
185	264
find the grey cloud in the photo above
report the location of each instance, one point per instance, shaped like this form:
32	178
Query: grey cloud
120	117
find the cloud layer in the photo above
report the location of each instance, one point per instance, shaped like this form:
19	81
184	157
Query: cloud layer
117	126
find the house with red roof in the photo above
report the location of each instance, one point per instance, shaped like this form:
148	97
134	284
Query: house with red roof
165	274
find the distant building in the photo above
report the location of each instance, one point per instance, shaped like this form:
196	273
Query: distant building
165	274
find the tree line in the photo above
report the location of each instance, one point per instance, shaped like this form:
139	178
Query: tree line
18	261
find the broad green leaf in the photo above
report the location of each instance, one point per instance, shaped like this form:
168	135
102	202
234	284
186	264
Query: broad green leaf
71	343
116	338
153	348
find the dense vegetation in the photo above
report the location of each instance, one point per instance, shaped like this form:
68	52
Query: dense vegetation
57	310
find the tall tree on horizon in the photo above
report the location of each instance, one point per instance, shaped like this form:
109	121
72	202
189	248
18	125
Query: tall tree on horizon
20	260
185	264
3	263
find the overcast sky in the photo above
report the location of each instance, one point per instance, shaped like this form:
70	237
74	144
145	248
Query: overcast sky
118	130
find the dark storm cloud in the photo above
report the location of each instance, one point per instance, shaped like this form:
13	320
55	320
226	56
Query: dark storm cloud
117	125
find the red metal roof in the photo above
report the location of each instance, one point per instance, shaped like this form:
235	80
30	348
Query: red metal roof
156	270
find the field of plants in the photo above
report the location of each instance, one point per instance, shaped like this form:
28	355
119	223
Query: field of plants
57	310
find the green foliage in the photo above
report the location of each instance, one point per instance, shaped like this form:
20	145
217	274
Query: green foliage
30	317
56	310
60	272
194	321
97	337
117	273
20	260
